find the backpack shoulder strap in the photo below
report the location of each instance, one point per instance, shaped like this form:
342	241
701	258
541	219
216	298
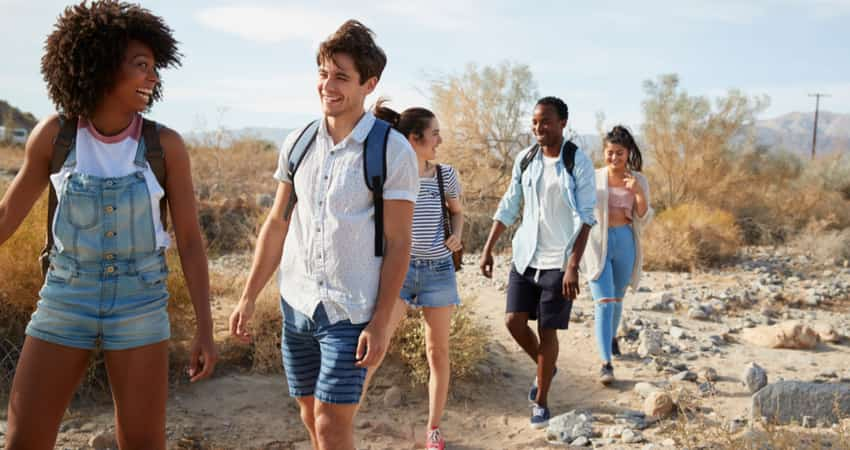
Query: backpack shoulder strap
375	173
447	224
295	154
526	160
155	155
62	145
568	156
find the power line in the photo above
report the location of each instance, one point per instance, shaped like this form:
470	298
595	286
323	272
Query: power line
817	97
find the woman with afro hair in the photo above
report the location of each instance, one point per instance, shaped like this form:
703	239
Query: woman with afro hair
109	172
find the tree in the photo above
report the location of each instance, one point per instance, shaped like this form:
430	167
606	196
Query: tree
690	144
484	115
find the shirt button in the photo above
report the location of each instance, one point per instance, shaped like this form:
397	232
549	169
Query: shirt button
326	177
109	256
110	234
109	209
110	183
321	283
332	152
110	269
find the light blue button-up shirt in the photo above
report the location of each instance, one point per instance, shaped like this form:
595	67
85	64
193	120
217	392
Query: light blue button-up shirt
579	190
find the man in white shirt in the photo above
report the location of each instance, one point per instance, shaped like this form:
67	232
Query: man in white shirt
336	295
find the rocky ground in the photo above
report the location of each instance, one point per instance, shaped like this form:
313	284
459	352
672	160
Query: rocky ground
705	357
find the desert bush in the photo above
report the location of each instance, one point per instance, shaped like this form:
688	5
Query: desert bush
466	344
690	235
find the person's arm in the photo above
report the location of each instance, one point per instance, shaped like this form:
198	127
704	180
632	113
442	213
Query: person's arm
506	214
398	224
267	256
584	176
190	246
31	180
643	212
455	207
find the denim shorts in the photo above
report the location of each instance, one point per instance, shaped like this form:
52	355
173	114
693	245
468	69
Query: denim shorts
121	304
430	283
319	357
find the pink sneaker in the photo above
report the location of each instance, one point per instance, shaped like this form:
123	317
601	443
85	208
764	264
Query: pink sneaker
435	440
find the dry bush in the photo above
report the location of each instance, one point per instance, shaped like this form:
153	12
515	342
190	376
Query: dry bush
11	159
466	344
267	325
689	236
821	243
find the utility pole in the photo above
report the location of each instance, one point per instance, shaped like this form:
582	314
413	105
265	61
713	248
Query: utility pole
817	97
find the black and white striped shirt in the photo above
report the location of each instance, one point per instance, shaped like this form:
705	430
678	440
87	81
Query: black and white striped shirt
429	240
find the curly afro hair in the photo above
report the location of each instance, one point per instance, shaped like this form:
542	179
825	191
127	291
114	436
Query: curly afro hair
87	47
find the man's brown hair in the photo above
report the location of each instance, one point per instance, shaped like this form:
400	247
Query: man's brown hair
358	41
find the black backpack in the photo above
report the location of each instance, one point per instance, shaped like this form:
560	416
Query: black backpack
374	167
568	157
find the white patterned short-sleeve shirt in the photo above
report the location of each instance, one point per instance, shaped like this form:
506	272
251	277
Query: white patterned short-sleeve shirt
329	255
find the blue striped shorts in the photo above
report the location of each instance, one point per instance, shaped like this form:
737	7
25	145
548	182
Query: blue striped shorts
319	357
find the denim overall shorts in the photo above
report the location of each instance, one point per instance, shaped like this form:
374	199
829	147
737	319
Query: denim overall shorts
107	279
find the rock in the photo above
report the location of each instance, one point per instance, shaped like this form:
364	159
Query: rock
651	343
791	335
614	432
708	374
631	436
88	427
635	420
785	402
394	397
754	377
103	441
736	425
677	333
809	422
265	200
685	375
568	427
580	442
644	389
2	427
658	404
827	333
697	314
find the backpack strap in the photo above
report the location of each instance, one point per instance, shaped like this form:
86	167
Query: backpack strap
375	172
62	145
568	156
299	148
526	160
447	225
156	160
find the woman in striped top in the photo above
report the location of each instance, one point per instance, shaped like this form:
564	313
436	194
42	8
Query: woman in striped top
431	283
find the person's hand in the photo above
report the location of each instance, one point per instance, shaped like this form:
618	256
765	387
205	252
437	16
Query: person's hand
204	356
632	184
570	283
371	345
239	320
454	244
486	264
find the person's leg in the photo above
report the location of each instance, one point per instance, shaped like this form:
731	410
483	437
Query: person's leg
546	358
622	265
139	381
45	379
554	314
335	425
522	305
301	362
437	330
602	291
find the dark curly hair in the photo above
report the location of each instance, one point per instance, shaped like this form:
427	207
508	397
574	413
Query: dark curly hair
621	136
358	41
87	47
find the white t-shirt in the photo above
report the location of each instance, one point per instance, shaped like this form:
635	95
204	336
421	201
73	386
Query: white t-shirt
551	242
112	157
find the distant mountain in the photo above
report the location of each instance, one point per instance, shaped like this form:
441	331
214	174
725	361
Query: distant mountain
19	118
793	132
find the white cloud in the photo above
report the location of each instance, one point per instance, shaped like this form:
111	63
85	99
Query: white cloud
271	24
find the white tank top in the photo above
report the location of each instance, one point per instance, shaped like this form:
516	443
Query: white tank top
113	157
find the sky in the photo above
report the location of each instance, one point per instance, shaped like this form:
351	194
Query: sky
252	64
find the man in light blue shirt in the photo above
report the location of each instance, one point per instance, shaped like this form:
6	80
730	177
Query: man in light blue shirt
555	182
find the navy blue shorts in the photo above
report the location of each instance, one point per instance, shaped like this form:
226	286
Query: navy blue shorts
319	358
541	296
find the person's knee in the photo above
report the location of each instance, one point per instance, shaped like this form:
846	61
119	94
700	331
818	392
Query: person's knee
307	413
332	427
438	354
515	322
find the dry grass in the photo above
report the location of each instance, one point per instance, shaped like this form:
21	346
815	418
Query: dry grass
689	236
466	344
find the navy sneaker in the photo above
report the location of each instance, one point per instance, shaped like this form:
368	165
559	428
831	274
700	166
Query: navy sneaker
539	417
532	393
